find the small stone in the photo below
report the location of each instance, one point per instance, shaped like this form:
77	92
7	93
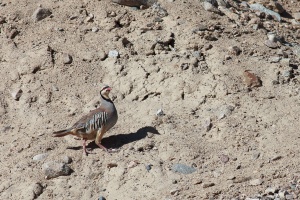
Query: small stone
296	16
149	167
285	62
113	54
271	44
207	124
274	59
183	169
95	29
234	50
40	157
224	158
256	182
261	8
102	55
251	79
227	57
241	179
37	189
111	165
255	155
209	7
282	194
16	95
41	13
174	192
132	164
271	190
276	158
160	112
101	198
207	185
67	59
55	169
289	197
67	159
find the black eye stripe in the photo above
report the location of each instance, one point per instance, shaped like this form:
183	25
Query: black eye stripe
105	88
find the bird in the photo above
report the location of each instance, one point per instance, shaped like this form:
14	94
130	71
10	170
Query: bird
96	123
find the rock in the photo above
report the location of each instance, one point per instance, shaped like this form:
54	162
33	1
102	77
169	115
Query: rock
67	59
95	29
111	165
55	169
256	182
274	59
183	169
113	54
101	198
67	159
276	158
37	189
209	7
16	95
255	155
261	8
207	124
41	13
225	111
222	3
207	185
174	192
296	50
231	15
132	164
251	79
224	158
289	197
40	157
271	44
282	194
148	167
296	16
160	112
234	50
285	62
241	179
271	190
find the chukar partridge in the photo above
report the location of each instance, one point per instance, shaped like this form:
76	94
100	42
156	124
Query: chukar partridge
96	123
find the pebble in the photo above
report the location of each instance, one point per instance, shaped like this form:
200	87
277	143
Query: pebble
255	155
274	59
285	62
183	169
207	185
55	169
261	8
113	54
160	112
296	16
256	182
67	59
282	194
241	179
276	158
234	50
174	192
67	159
224	158
132	164
111	165
149	167
41	13
271	44
251	79
270	190
95	29
101	198
16	95
209	7
40	157
37	189
207	124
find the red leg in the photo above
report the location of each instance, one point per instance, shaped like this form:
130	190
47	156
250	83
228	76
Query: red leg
84	147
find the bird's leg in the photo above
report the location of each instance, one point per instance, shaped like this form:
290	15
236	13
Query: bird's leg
84	147
98	139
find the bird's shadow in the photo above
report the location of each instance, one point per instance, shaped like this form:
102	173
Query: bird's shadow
117	141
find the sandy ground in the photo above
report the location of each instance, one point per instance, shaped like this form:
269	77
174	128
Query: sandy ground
239	132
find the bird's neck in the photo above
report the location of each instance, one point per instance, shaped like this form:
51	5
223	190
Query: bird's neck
106	100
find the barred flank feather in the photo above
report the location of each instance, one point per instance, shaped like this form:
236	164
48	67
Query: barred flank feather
97	121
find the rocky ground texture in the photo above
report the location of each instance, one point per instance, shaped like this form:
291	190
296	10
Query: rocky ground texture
207	94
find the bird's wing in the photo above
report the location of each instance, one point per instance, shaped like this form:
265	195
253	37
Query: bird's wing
81	123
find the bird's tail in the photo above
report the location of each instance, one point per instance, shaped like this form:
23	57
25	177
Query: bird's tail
61	133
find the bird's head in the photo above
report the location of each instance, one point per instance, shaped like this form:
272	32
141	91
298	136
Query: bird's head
104	92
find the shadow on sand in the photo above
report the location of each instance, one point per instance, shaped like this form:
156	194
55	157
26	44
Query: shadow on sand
117	141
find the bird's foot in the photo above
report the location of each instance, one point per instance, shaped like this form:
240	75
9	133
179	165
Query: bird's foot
108	150
87	152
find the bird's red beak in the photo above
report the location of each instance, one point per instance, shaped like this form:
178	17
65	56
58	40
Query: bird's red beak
108	89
